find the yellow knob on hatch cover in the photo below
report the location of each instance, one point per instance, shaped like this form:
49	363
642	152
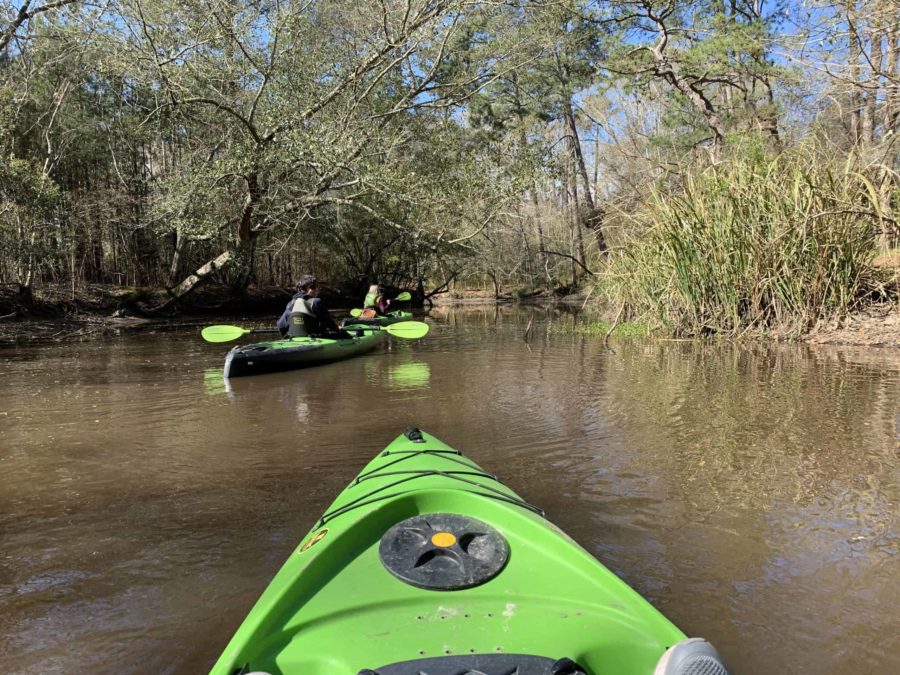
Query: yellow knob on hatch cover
443	539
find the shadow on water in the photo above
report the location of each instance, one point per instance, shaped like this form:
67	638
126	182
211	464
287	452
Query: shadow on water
749	491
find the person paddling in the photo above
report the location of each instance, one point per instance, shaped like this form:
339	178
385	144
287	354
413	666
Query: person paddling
307	316
376	300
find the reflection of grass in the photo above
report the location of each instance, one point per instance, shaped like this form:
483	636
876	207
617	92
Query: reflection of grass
624	330
746	425
601	328
791	446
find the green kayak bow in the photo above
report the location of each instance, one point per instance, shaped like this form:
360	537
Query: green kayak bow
427	565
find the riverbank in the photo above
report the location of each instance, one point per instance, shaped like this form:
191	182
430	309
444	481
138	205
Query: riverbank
875	326
55	302
54	314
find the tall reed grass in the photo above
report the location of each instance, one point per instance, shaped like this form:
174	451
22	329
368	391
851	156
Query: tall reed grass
756	244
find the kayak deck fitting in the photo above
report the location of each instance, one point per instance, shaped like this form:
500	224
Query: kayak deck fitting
299	352
427	565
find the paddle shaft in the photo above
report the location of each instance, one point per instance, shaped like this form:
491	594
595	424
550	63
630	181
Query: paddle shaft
405	329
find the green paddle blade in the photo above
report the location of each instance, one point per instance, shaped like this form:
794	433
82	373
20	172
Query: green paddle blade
222	333
355	312
409	330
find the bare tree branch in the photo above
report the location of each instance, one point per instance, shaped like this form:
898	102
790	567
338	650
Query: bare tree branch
23	15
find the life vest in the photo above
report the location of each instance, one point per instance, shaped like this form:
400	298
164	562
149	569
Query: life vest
301	321
377	302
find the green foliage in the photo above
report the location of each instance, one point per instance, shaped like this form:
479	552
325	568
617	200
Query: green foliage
7	120
29	205
453	139
718	50
751	245
24	186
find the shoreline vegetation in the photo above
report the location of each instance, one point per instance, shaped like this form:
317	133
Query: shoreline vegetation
54	315
758	245
705	169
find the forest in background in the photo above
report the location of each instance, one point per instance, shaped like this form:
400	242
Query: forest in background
706	166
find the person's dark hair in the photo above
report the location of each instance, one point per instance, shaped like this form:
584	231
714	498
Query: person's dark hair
306	282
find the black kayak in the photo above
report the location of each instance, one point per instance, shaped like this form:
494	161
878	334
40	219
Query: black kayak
299	352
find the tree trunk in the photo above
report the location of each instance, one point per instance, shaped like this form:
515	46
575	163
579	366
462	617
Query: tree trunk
855	102
891	69
192	282
539	231
189	284
538	228
495	282
577	220
246	248
570	217
580	169
578	164
244	265
885	197
873	83
180	243
25	295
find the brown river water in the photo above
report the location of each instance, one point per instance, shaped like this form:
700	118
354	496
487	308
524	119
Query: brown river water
750	492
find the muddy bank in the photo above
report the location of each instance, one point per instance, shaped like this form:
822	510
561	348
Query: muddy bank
98	300
540	296
875	326
56	314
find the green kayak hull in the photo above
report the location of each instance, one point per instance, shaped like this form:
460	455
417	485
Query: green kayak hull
525	595
301	352
385	320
